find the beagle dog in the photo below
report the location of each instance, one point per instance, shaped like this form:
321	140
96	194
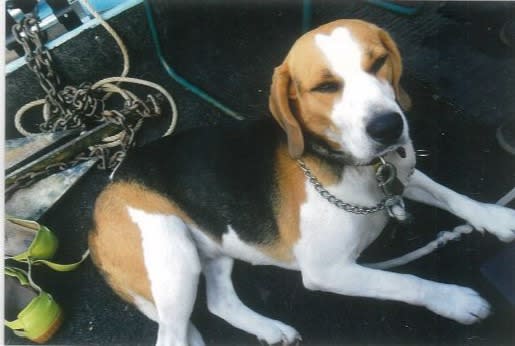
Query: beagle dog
193	202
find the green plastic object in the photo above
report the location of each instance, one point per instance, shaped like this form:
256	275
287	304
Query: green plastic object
43	246
40	319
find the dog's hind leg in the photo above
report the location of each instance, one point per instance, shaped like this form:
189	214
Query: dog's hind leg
194	336
223	301
173	266
149	310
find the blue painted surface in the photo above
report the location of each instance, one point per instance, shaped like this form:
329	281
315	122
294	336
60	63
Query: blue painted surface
45	10
122	6
104	5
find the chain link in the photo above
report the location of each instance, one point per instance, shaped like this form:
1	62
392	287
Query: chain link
73	107
322	191
27	33
30	178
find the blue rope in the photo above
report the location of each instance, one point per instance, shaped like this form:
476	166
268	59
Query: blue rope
396	8
175	76
306	15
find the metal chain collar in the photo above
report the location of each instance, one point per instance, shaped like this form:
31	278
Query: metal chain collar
72	107
351	208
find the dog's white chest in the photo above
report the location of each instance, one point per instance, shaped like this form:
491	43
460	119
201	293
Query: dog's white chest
329	229
343	232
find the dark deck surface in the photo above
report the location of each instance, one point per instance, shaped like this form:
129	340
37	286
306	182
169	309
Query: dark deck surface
460	77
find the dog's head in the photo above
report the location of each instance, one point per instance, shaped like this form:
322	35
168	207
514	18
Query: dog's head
340	84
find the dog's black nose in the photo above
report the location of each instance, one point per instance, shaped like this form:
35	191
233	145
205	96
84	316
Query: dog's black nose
385	128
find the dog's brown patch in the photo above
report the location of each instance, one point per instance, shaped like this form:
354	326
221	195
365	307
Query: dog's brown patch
115	242
292	194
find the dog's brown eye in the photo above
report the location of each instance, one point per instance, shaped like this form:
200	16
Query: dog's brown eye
376	66
328	87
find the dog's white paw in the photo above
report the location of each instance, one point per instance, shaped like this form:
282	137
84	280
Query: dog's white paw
495	219
278	333
461	304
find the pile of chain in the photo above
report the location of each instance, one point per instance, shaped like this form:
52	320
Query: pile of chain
82	107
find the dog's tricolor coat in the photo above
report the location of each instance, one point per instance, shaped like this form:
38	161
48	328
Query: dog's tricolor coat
191	203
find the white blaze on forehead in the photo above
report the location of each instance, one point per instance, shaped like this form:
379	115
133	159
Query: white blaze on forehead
342	52
364	94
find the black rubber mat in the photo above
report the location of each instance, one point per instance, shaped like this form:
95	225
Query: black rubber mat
461	89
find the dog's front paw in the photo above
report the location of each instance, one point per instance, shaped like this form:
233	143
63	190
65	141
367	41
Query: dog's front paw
458	303
278	333
495	219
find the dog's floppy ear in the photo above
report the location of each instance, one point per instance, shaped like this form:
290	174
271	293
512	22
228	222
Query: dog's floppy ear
395	58
279	104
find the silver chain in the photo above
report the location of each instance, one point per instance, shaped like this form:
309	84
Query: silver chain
322	191
27	34
72	107
69	107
